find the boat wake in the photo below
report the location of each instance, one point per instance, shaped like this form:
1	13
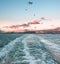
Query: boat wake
28	49
53	48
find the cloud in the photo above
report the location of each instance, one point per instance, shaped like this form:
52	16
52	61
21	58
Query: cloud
40	24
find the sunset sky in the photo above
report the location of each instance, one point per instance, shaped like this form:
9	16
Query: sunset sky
20	11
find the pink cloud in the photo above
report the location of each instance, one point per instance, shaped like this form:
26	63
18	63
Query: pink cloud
40	24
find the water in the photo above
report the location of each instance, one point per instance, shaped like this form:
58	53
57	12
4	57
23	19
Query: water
31	49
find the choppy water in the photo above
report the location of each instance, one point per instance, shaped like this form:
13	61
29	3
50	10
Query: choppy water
30	49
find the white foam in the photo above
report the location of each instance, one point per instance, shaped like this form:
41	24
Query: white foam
52	47
29	58
7	48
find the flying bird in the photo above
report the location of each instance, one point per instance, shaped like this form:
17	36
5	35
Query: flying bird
30	2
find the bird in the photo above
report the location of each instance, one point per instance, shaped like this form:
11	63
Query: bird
30	2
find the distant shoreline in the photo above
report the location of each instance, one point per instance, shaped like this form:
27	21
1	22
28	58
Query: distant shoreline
30	33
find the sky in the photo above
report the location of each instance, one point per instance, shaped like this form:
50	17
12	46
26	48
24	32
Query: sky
20	11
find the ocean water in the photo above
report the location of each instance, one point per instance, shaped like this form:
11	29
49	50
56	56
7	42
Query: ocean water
29	48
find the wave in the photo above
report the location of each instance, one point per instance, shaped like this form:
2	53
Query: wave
28	49
53	48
